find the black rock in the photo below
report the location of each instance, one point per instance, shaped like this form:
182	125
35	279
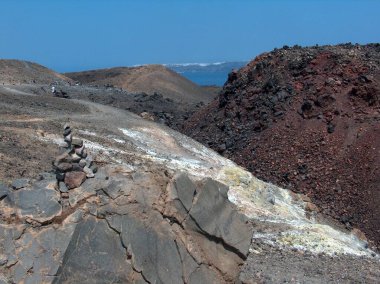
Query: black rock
302	169
221	148
76	167
60	176
330	128
67	131
64	167
94	168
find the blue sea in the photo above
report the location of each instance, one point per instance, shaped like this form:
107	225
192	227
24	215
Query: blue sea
206	78
206	74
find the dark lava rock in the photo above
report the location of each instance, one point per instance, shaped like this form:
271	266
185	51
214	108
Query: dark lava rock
64	167
60	176
330	128
66	131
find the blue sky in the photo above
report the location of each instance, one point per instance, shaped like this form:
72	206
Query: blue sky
77	35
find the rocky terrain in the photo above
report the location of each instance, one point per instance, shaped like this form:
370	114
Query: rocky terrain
151	107
161	208
149	79
120	198
307	119
154	100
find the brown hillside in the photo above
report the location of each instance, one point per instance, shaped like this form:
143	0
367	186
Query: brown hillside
306	119
25	72
148	79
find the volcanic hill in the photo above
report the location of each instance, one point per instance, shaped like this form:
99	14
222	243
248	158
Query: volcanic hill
165	96
25	72
307	119
147	79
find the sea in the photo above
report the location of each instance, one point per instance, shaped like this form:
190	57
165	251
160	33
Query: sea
206	74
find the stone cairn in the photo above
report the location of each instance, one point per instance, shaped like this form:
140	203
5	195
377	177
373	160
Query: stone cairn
73	166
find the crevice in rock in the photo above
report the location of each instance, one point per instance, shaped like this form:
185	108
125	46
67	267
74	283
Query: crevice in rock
172	220
11	265
142	275
128	254
66	213
105	193
207	235
217	240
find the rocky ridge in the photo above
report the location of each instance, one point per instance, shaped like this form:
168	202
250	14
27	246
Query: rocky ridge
306	119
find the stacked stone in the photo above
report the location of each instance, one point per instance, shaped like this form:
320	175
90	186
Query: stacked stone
73	166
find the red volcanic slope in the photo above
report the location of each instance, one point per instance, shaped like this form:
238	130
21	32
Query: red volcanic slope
307	119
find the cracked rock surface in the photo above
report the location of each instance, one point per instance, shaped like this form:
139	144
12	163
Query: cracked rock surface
39	202
121	227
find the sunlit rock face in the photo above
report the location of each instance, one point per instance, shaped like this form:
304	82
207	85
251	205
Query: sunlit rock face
259	201
289	222
162	208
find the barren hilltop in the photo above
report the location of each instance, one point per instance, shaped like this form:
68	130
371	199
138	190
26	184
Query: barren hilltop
25	72
148	79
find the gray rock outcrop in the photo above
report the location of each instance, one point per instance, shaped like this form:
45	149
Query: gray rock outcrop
39	202
123	227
